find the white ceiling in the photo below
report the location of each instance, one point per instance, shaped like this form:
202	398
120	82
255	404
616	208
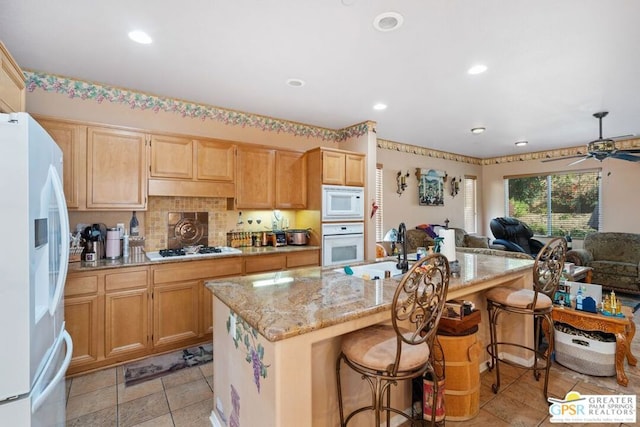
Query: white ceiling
552	63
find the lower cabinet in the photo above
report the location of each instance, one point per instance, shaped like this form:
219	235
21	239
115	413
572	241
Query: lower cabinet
176	309
107	316
126	313
120	314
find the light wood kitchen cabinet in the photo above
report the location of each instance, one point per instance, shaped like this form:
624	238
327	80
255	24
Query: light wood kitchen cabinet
255	177
72	140
175	312
107	315
303	258
120	314
333	168
215	160
12	84
337	167
83	311
171	157
291	180
116	169
354	170
126	313
267	178
181	303
264	263
281	261
187	167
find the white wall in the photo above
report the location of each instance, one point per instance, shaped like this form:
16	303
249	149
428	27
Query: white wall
405	208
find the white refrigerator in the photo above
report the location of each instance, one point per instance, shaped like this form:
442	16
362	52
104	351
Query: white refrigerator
35	348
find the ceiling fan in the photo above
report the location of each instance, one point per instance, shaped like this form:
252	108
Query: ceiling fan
603	148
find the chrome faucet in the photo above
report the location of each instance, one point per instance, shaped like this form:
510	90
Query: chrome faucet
402	238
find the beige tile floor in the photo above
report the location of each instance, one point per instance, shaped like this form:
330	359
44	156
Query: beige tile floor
185	398
181	399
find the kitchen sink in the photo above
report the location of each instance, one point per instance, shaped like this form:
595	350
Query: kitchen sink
371	271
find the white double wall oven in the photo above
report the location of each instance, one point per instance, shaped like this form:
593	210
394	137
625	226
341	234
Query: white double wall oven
342	225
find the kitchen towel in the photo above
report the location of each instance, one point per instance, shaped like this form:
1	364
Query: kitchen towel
448	247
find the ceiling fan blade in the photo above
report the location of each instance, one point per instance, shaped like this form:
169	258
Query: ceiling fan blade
562	158
632	150
581	160
623	136
625	156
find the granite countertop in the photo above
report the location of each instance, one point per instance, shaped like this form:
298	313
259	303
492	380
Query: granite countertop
312	298
142	260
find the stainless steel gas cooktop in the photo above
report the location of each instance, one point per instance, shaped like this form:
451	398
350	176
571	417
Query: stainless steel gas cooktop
199	252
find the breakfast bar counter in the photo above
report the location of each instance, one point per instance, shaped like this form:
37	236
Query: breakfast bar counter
277	337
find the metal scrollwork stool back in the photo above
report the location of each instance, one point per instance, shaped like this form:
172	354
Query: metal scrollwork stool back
536	302
384	354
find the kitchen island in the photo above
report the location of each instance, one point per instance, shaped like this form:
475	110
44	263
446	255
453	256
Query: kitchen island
277	337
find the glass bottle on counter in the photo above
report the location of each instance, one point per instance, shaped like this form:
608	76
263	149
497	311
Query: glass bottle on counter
134	227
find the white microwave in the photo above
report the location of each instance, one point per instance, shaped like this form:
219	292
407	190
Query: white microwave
342	203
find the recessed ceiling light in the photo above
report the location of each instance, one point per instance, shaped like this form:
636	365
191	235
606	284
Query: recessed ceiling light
478	130
388	21
140	37
380	106
295	82
477	69
521	143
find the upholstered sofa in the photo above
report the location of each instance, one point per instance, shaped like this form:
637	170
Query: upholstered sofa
424	237
614	258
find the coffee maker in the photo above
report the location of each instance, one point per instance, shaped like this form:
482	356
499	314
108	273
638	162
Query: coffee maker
94	242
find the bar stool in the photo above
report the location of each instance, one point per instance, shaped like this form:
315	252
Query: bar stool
536	302
384	354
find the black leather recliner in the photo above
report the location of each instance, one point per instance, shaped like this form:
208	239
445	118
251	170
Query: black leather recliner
515	236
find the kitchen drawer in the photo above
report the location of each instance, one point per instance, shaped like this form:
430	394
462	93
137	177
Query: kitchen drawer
81	285
305	258
194	270
258	264
126	280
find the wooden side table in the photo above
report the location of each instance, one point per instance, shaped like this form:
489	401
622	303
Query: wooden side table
580	273
623	328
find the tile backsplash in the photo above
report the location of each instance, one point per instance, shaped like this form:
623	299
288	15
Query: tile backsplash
158	208
153	221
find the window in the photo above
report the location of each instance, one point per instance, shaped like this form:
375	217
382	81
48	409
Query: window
379	231
556	205
470	205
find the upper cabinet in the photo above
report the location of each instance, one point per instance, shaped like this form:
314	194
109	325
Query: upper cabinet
72	140
354	165
171	157
268	178
116	169
181	166
255	168
103	168
337	167
215	160
291	180
12	86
